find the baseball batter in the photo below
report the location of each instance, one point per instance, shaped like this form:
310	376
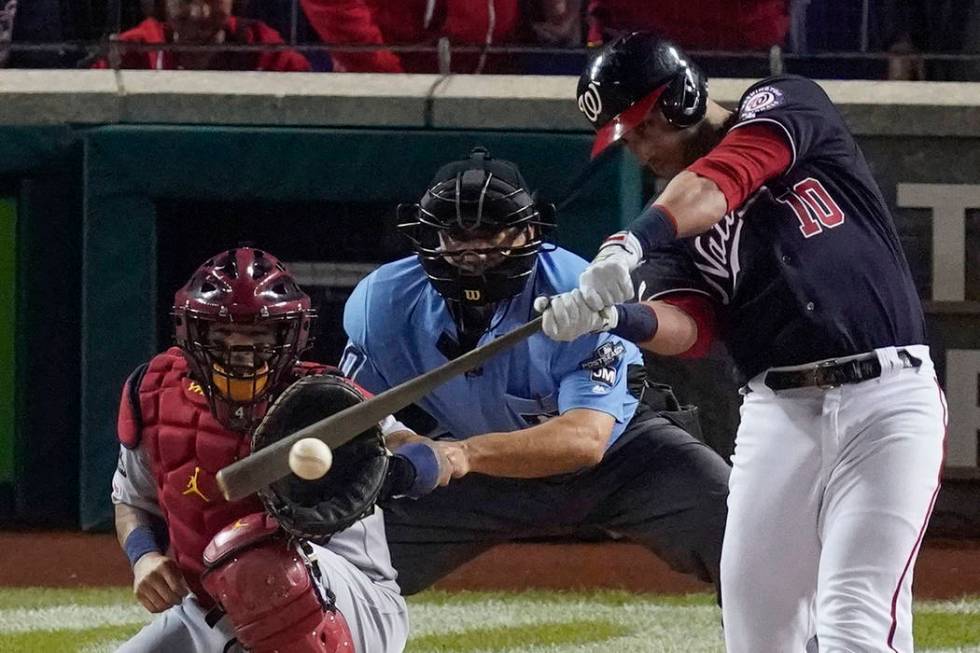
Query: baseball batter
223	576
775	222
546	438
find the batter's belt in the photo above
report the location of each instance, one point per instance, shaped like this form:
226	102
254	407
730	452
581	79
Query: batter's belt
830	374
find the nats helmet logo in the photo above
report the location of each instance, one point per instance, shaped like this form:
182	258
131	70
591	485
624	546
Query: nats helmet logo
759	100
590	102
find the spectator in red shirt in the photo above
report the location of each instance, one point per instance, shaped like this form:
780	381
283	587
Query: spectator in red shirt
412	22
700	25
205	22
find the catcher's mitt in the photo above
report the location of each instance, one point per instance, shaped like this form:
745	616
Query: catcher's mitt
315	510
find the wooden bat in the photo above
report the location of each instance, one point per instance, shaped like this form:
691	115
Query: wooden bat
270	464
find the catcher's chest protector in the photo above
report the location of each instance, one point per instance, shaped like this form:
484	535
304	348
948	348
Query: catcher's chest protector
270	593
186	448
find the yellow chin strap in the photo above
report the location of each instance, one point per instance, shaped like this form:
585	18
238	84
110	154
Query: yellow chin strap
240	389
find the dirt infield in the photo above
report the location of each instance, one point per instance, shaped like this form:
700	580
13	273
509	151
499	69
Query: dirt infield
946	569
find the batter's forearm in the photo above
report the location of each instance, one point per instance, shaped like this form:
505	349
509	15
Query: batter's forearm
676	330
563	444
696	203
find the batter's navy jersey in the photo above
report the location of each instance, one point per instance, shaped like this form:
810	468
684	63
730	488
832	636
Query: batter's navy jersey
810	266
394	319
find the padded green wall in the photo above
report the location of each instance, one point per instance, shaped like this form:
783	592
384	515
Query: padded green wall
8	335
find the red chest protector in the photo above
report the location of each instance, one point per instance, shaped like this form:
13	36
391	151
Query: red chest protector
185	448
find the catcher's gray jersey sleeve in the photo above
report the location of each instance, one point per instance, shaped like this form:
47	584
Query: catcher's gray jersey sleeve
133	482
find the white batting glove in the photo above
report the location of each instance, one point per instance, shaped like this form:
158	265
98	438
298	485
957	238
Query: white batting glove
567	316
606	282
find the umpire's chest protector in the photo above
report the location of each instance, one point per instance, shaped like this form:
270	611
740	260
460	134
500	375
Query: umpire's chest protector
185	448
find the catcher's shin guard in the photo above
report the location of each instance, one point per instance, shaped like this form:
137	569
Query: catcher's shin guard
271	592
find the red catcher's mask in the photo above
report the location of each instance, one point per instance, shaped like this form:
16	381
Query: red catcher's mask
242	323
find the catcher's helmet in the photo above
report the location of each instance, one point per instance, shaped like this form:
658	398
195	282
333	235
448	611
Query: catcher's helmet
628	76
243	286
473	199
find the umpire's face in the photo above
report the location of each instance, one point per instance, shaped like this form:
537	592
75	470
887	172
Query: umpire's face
477	251
660	146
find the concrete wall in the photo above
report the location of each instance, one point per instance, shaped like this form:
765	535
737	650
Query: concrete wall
424	101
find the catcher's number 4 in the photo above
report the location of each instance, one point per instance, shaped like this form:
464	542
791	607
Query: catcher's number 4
310	458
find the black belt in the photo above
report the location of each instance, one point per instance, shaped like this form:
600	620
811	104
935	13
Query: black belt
831	374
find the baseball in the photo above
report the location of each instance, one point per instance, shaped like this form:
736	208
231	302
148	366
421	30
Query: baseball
310	459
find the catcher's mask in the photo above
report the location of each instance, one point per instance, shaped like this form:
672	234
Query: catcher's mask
315	510
477	230
242	323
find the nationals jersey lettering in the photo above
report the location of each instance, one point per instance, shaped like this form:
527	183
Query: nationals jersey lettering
395	319
810	267
717	254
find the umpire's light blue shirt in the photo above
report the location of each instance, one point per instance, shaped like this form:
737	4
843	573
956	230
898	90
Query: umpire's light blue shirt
394	318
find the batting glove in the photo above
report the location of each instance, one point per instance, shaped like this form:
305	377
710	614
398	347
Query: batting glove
567	316
606	282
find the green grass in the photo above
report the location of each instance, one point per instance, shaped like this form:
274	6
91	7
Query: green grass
518	637
65	640
90	620
605	597
44	597
941	630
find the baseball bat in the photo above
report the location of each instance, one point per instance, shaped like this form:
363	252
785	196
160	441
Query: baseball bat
266	466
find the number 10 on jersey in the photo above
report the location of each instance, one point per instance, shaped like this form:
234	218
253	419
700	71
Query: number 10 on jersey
813	206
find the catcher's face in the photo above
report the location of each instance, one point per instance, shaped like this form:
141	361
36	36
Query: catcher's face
241	356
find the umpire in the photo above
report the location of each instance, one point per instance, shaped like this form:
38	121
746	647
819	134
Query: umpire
547	439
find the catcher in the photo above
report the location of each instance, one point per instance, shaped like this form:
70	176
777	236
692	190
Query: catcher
230	576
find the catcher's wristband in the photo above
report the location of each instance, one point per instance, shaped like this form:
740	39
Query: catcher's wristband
140	541
637	322
425	468
654	227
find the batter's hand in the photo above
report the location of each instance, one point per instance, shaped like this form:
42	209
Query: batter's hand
157	582
606	282
567	316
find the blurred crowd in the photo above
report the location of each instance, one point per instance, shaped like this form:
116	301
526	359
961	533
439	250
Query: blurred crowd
899	39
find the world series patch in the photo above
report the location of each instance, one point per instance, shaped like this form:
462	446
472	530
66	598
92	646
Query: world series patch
759	100
605	355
